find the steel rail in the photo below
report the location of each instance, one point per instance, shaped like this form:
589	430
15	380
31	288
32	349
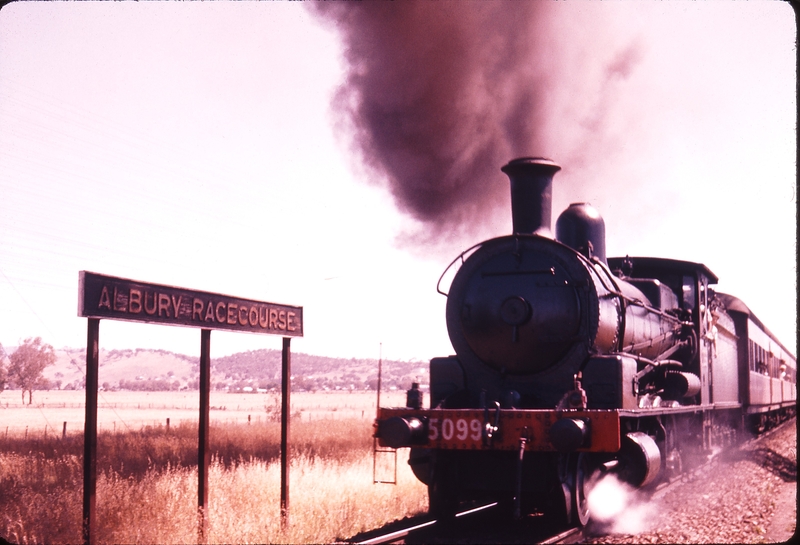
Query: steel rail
397	534
573	535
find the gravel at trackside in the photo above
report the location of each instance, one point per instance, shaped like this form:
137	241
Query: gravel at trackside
748	496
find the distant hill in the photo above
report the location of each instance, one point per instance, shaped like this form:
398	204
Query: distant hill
140	369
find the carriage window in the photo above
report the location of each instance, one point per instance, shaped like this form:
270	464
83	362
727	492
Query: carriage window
762	361
689	292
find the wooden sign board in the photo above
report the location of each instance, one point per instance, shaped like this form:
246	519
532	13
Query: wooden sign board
103	296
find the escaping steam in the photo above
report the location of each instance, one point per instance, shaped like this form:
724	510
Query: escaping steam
616	507
439	95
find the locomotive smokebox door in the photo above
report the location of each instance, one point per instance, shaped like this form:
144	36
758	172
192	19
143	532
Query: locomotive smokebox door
519	304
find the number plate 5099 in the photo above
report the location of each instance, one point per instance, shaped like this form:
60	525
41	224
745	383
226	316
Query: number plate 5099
459	429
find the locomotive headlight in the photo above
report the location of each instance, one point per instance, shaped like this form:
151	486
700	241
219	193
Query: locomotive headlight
397	432
515	311
569	434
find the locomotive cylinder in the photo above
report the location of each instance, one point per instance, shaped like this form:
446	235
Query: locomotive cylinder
641	459
678	384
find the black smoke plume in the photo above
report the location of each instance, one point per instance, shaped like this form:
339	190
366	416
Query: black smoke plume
439	95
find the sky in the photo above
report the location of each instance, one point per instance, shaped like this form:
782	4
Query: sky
211	146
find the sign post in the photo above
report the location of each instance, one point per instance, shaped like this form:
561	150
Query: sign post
109	297
203	453
90	429
286	390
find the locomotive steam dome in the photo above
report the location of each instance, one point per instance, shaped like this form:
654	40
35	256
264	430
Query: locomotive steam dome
523	303
582	227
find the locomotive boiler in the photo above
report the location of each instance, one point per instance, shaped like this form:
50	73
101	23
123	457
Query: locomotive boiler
569	365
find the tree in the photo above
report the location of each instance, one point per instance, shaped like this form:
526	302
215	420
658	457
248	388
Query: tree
3	374
28	364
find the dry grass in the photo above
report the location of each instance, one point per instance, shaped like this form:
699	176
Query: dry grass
147	485
119	411
133	453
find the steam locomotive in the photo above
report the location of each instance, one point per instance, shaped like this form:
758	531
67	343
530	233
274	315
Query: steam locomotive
569	365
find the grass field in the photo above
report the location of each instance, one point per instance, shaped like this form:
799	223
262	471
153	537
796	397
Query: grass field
131	410
147	476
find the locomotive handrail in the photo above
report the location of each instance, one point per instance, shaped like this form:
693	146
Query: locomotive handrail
613	291
461	257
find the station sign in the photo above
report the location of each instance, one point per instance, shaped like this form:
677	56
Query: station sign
103	296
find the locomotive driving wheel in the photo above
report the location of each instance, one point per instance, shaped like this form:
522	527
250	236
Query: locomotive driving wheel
442	501
575	472
443	489
583	474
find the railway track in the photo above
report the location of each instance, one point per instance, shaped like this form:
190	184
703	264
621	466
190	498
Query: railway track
396	535
425	529
475	525
664	488
573	535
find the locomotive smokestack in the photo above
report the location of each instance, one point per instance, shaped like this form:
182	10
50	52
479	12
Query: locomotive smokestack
531	194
